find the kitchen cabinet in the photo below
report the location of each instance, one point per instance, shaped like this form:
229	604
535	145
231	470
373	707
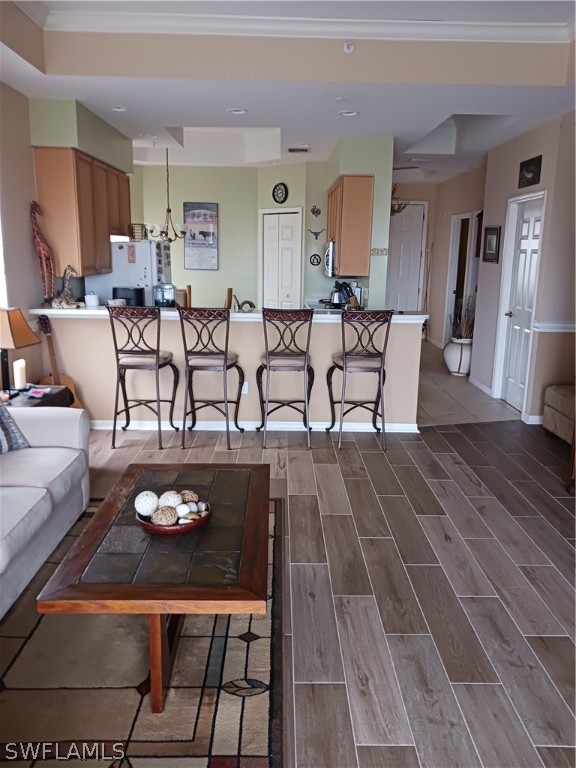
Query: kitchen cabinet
118	185
349	224
83	202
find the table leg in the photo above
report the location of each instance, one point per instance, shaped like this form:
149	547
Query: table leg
164	634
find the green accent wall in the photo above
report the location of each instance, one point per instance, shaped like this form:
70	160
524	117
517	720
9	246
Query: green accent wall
66	123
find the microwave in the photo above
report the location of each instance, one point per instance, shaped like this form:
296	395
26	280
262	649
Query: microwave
330	259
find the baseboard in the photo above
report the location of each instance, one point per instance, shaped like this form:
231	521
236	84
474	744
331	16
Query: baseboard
528	418
481	387
273	426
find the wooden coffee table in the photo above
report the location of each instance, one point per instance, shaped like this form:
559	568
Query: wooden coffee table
117	567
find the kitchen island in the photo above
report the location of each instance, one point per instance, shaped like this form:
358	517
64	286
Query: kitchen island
84	350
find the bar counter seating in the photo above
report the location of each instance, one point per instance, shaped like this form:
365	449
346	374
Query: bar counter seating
287	341
364	342
136	336
205	334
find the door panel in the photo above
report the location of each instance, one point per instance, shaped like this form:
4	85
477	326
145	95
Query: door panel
282	260
405	258
521	305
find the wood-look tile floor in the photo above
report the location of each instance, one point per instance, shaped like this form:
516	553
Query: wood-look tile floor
429	609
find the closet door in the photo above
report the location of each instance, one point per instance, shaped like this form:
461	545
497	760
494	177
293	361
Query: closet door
282	239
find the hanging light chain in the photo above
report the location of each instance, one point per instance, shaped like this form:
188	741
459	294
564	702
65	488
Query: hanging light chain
164	233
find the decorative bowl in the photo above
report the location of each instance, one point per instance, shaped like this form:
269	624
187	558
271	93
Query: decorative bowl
171	530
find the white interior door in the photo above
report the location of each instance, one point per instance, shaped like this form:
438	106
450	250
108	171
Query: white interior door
405	262
521	304
282	264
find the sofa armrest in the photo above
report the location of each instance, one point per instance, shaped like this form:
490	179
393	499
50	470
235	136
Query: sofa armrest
46	427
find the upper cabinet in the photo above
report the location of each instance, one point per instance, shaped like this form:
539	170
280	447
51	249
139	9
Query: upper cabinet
350	202
83	202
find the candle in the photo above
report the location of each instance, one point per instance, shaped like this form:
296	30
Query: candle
19	369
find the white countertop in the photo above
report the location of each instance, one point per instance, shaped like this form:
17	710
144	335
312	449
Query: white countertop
330	316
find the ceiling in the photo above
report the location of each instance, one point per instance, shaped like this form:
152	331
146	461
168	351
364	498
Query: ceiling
440	129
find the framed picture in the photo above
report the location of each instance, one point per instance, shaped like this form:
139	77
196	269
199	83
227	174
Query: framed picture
491	244
201	240
530	172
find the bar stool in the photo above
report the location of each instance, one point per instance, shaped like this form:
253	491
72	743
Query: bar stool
364	341
287	340
136	336
205	335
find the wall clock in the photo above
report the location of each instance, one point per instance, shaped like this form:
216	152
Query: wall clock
280	193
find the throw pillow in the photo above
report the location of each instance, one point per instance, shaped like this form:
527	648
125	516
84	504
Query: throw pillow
11	438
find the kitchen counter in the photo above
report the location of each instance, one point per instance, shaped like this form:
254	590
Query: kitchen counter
321	315
84	350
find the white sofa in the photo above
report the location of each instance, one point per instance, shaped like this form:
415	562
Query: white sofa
43	490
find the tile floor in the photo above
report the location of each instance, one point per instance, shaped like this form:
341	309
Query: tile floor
447	399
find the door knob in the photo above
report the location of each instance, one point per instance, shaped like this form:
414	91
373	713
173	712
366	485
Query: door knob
508	314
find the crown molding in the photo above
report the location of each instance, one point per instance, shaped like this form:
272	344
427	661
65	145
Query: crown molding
261	26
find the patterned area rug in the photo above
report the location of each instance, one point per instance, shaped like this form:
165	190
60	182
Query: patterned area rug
75	686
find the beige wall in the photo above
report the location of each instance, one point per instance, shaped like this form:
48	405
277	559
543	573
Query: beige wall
299	59
551	362
19	33
20	266
463	194
555	292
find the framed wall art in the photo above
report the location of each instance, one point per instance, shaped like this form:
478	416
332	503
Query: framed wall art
530	172
201	240
491	244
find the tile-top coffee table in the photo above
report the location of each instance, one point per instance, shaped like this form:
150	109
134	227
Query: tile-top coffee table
117	567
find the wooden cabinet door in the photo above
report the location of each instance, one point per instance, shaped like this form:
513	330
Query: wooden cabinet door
125	217
101	220
85	223
356	226
113	185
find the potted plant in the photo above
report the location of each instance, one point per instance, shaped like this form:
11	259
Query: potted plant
458	351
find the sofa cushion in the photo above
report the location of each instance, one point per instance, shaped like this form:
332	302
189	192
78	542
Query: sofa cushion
24	511
59	470
11	438
560	397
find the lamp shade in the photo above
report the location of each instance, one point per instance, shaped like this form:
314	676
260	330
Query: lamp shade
14	330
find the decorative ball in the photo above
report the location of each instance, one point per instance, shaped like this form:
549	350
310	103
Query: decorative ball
182	509
146	503
170	499
165	516
202	506
192	506
188	496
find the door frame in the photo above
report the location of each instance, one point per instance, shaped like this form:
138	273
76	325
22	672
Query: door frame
260	267
455	225
508	246
423	255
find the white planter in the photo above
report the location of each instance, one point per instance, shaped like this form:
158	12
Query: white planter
457	356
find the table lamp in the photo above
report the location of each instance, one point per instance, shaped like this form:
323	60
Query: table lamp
14	334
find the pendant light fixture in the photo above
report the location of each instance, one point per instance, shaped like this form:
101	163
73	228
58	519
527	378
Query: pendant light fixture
169	231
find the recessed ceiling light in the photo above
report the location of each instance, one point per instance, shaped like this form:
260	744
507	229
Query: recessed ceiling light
237	111
348	113
118	109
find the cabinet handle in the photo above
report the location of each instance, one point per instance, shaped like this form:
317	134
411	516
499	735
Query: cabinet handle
507	314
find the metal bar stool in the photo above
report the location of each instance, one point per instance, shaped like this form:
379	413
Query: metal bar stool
287	340
364	341
205	335
136	336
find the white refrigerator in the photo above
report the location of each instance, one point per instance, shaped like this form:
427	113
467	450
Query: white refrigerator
142	263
